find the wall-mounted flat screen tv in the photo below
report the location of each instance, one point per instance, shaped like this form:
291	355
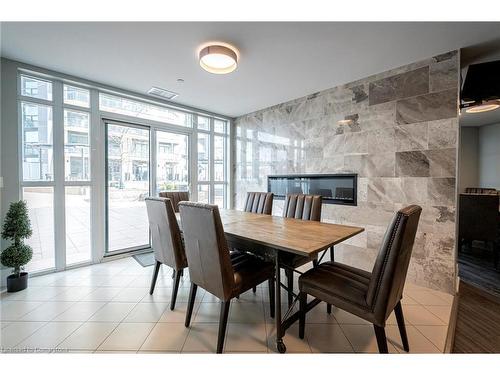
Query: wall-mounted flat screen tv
334	188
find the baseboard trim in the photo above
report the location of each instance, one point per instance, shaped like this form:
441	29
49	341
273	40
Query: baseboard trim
450	335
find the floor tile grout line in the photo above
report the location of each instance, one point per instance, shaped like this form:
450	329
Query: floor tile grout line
444	323
191	323
20	342
47	323
428	339
347	338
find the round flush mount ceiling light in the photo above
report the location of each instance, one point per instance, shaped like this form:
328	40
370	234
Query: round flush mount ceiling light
218	58
484	107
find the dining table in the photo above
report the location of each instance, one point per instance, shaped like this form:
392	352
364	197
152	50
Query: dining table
281	240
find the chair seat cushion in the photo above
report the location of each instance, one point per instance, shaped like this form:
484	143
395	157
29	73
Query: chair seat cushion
249	271
337	284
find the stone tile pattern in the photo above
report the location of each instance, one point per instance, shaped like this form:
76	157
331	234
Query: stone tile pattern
400	137
74	311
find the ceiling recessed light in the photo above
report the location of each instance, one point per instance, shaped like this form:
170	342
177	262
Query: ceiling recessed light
218	58
484	107
345	122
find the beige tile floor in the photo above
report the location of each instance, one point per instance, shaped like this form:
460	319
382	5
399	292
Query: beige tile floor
107	308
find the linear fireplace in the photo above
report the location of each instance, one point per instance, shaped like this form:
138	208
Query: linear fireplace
335	188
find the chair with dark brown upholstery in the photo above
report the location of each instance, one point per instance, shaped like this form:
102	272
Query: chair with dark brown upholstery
304	207
175	197
371	296
479	221
166	241
476	190
211	266
259	203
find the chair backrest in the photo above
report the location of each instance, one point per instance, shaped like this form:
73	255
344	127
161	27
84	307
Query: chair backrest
389	272
259	203
165	233
478	217
206	249
476	190
305	207
175	197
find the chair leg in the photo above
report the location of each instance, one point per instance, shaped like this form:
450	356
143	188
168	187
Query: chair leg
224	312
192	297
289	277
254	289
328	308
398	310
381	339
271	296
178	276
155	276
302	314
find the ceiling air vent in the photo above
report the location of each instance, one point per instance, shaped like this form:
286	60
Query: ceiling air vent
162	93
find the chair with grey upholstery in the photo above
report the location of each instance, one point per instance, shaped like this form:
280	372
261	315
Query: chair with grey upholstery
211	266
175	197
259	203
304	207
166	241
370	296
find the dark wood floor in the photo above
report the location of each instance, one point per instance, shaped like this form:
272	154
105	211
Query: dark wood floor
475	267
478	321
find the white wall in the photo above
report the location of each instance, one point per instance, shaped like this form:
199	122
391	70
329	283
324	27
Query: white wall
489	156
469	158
9	152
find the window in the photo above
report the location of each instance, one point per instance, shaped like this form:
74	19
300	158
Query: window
76	145
140	171
37	142
219	126
134	108
172	156
212	147
59	115
76	96
203	123
78	228
140	148
76	119
40	202
128	184
219	153
165	148
203	157
203	193
36	88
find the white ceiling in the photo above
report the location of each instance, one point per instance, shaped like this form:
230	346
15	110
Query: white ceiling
279	61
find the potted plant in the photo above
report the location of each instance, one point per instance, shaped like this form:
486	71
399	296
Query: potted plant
16	228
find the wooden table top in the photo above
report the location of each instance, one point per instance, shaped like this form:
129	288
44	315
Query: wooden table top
301	237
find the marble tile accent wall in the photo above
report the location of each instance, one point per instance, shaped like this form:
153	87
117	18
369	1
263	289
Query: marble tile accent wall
397	130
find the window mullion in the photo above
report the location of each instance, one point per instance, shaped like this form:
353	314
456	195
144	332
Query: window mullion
59	192
193	160
211	163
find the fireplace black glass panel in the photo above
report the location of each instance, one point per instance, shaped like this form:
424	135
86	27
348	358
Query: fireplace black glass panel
335	188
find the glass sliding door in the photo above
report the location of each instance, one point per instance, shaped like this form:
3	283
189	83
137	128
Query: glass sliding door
172	160
128	183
